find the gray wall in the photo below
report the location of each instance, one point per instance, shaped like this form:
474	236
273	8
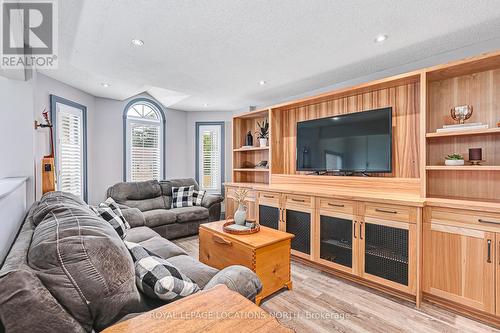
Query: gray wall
16	131
107	134
44	87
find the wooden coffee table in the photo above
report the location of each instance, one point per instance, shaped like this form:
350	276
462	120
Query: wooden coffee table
215	310
266	252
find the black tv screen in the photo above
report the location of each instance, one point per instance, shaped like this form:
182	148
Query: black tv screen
355	142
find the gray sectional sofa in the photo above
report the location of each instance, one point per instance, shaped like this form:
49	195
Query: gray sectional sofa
154	200
69	271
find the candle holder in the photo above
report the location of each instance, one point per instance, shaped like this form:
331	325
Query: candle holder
476	156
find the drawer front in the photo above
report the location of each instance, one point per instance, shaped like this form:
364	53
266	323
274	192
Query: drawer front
391	212
475	218
298	201
220	252
270	199
341	206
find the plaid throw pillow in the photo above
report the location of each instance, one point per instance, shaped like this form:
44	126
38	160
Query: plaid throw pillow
108	215
158	278
182	196
109	202
198	197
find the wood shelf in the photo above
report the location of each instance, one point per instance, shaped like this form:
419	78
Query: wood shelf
251	170
464	167
251	149
486	131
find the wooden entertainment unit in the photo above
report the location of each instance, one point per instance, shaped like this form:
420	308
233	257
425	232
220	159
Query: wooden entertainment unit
424	232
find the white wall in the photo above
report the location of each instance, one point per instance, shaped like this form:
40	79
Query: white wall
16	131
44	87
107	134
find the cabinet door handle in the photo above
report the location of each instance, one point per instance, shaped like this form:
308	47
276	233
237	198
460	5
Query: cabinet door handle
360	230
221	240
354	228
298	200
489	251
498	252
486	221
335	205
282	216
268	196
385	211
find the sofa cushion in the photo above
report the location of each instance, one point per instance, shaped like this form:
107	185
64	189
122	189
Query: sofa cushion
154	242
27	306
158	217
188	214
166	185
135	190
197	271
82	262
157	277
142	195
140	234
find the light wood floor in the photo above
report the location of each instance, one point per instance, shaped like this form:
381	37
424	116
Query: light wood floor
320	302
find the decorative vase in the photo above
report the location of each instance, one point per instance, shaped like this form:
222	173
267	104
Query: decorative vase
249	139
454	162
263	142
240	216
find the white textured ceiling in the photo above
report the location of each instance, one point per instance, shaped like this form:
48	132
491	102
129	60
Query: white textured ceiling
216	51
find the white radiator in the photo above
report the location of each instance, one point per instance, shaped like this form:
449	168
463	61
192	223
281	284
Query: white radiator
12	211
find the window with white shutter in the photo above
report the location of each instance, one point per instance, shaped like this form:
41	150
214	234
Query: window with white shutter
69	135
210	153
144	142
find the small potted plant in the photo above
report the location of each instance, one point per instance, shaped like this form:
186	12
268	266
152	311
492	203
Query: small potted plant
454	160
263	133
240	215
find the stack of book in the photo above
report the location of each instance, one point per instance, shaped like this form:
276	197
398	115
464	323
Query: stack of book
462	127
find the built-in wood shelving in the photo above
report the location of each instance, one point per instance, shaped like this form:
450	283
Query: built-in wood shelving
464	167
486	131
251	170
250	149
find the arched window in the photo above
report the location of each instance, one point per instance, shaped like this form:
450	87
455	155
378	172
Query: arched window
144	128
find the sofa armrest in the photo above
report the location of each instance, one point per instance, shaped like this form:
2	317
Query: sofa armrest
237	278
211	199
134	217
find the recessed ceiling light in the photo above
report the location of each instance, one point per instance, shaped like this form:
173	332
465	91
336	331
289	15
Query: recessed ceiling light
105	85
137	42
381	38
205	105
262	82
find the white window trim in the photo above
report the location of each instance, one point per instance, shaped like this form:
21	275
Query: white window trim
78	110
199	160
127	172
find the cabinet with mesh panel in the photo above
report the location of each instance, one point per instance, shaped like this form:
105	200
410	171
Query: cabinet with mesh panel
388	253
337	242
298	223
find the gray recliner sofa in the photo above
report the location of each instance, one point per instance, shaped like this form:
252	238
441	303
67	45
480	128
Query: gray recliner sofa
154	200
69	271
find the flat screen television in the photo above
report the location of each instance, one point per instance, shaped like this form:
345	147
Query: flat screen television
358	142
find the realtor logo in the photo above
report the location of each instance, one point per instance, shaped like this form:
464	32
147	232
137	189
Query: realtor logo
29	34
